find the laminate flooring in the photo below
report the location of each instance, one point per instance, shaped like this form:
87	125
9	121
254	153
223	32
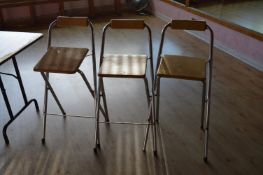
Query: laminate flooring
236	134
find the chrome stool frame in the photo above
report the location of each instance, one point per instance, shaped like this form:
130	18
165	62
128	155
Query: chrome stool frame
107	62
66	60
181	71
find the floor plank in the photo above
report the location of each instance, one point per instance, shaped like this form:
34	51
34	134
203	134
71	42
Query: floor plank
236	144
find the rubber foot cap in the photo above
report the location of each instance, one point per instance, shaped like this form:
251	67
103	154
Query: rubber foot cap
205	159
155	153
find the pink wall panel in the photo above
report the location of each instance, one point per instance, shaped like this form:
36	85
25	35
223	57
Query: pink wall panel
46	9
75	5
245	48
14	12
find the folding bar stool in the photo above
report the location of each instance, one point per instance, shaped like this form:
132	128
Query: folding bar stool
126	66
66	60
187	68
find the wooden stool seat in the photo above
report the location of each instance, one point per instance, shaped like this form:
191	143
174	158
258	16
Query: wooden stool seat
61	60
133	66
182	67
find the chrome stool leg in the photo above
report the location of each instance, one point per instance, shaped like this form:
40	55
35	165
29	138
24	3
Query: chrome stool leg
150	123
157	98
151	119
203	105
97	132
154	127
104	101
92	93
53	94
147	90
149	113
45	110
46	94
208	103
49	87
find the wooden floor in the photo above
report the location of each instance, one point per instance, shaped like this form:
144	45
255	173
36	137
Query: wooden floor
236	134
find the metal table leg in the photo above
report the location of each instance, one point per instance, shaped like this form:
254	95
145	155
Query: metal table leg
8	106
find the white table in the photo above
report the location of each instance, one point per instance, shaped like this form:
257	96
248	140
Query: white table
12	43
